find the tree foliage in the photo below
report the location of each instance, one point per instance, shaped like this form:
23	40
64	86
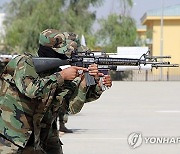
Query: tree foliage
125	6
115	31
25	19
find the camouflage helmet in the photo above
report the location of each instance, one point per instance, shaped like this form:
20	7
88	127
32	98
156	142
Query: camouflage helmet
64	43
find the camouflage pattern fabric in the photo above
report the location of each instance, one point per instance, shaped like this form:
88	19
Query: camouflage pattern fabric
6	147
24	99
64	43
29	103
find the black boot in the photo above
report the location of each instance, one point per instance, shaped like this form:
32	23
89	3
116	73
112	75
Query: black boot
64	129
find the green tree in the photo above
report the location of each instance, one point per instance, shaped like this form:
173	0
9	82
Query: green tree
27	18
78	17
125	6
116	30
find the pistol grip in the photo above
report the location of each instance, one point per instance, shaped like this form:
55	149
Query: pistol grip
90	81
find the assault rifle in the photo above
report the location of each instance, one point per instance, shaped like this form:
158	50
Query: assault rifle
84	59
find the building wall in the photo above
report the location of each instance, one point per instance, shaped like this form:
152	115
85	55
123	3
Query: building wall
141	37
171	39
141	34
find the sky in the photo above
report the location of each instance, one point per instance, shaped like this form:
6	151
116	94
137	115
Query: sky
139	7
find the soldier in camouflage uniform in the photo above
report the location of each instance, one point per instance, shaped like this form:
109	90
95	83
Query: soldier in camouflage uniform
51	38
30	102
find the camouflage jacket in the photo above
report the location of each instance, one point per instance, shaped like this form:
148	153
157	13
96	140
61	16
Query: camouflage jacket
26	100
65	43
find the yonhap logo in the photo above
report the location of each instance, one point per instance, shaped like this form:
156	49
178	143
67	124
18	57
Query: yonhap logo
135	140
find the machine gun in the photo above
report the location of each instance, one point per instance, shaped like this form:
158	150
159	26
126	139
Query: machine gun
84	59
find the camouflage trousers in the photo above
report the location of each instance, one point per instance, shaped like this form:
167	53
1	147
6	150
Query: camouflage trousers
7	147
53	147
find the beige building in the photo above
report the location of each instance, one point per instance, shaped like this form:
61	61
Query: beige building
170	32
141	33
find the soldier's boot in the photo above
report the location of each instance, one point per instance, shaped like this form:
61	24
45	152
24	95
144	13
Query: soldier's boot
64	129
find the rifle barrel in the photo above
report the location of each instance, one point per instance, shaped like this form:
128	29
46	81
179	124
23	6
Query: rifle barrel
157	57
117	61
165	65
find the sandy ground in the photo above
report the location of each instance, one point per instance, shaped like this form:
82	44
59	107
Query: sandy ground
103	126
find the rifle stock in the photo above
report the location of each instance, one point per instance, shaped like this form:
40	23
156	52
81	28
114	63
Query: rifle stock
43	64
